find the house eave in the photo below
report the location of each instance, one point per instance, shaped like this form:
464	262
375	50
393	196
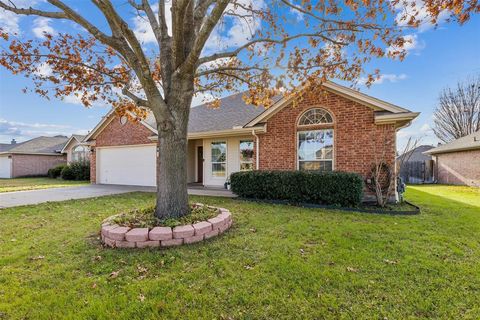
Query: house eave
434	152
32	153
222	133
396	118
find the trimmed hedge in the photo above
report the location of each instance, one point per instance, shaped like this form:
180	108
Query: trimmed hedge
56	171
328	188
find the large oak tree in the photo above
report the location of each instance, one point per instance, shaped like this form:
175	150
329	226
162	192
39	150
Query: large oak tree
289	44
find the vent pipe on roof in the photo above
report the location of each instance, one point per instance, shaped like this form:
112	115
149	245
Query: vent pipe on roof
13	141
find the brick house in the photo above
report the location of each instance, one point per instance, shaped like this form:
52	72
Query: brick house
341	129
34	157
458	162
31	158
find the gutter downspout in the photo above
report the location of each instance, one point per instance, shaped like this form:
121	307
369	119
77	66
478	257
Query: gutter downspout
257	149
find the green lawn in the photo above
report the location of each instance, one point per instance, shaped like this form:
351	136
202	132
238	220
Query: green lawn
277	262
22	184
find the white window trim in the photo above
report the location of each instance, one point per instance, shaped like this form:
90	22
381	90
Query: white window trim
226	160
333	149
240	153
315	124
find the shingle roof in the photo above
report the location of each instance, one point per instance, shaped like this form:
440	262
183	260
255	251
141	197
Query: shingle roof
233	112
51	145
417	154
79	137
470	142
5	146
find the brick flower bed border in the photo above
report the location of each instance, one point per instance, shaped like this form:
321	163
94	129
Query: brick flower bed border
115	236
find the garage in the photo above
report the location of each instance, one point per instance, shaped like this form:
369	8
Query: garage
127	165
5	167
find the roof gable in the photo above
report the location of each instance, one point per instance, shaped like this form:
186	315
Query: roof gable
469	142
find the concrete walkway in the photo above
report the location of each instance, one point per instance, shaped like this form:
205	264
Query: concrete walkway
21	198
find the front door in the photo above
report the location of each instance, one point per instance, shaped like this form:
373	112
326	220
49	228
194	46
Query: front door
200	164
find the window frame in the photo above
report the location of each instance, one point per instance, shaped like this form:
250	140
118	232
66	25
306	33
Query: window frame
315	124
216	162
84	153
240	154
333	147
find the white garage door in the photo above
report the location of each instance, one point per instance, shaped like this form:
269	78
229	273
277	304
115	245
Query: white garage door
5	167
131	165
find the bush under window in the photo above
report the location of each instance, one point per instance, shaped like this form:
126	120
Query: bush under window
56	171
327	188
79	170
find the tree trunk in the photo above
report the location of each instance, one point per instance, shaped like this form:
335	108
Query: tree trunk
172	197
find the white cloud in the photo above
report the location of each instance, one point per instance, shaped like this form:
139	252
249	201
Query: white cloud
41	26
9	21
44	70
417	8
411	44
239	30
425	128
23	131
388	77
143	29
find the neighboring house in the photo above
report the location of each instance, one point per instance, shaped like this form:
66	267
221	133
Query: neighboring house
31	158
417	167
76	150
341	130
458	162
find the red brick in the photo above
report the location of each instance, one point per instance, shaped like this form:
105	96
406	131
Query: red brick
109	242
34	165
212	233
183	231
124	244
459	168
193	239
202	227
171	242
216	222
137	234
160	233
118	233
148	244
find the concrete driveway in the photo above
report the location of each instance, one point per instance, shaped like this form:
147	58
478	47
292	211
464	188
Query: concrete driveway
21	198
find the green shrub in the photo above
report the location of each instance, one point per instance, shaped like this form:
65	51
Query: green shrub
77	171
81	170
56	171
327	188
67	173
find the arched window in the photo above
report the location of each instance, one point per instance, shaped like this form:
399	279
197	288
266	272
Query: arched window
315	116
315	147
80	153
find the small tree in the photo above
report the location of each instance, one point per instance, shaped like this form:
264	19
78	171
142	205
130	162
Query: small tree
290	44
458	111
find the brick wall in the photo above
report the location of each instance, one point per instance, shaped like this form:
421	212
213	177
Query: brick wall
34	165
460	168
117	134
356	137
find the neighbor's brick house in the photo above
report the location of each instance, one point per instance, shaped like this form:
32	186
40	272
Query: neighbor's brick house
340	129
458	162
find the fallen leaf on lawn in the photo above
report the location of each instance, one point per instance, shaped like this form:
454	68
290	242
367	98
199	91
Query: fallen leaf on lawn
38	258
114	274
302	251
141	297
94	285
13	240
141	269
253	230
248	267
350	269
97	258
390	261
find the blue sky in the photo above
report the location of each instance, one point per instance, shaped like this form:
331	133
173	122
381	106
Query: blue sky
436	58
